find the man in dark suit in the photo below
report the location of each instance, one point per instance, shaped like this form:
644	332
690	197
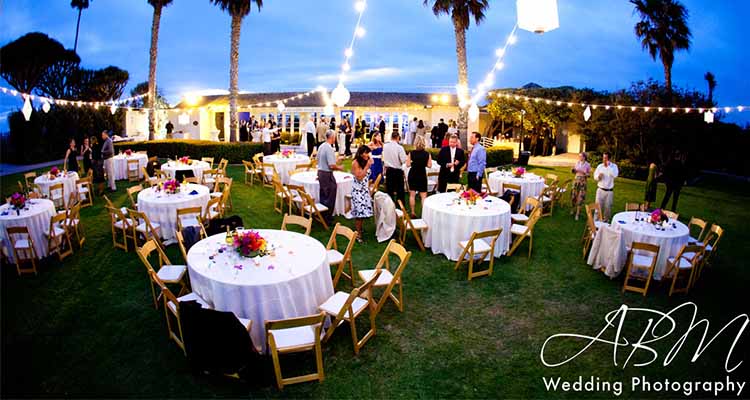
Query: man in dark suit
442	130
451	159
381	127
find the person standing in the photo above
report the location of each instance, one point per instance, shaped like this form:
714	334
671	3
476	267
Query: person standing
326	165
394	158
451	159
346	129
434	133
98	165
108	152
418	161
376	148
267	147
650	195
477	162
169	128
381	126
276	139
71	157
244	133
442	131
412	131
310	135
582	170
361	199
605	175
674	178
421	131
321	130
86	154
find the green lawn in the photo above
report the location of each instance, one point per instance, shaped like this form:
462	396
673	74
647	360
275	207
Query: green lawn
86	327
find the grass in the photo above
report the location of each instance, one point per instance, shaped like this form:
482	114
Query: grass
86	327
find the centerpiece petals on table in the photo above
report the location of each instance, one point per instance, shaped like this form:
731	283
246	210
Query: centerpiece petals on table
250	244
471	196
128	152
171	186
519	172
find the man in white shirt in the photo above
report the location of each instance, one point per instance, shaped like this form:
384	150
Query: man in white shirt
394	158
412	131
605	175
310	135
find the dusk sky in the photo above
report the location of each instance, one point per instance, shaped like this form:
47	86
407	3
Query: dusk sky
299	44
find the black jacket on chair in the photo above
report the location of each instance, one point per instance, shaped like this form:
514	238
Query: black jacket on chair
444	160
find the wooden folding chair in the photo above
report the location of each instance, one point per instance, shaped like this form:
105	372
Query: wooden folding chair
280	197
551	179
454	187
296	220
595	210
22	246
338	259
387	278
209	160
269	171
209	178
148	179
347	307
486	182
250	172
633	207
191	216
432	181
167	272
673	216
563	189
295	335
711	242
547	200
212	211
685	263
525	231
375	185
313	209
222	168
133	168
73	224
416	226
143	226
192	179
57	195
120	223
296	198
134	190
28	178
58	238
641	265
590	231
524	211
85	191
696	223
477	249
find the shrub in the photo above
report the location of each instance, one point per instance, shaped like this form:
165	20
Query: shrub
496	156
627	168
234	152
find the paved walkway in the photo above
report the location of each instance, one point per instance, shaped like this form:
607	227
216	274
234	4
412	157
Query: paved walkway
559	160
10	169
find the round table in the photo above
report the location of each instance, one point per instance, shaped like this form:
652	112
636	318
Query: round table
670	240
162	208
309	180
531	185
290	282
35	216
285	165
68	181
121	164
450	223
172	167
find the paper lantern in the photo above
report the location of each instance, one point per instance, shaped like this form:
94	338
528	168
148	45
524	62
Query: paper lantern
473	113
328	109
280	106
26	110
708	117
340	95
537	16
587	114
45	106
113	109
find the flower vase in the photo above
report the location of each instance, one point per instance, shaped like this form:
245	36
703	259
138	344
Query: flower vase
18	212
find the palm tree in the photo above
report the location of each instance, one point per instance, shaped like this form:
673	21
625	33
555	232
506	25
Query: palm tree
663	30
711	81
155	22
461	13
80	5
238	9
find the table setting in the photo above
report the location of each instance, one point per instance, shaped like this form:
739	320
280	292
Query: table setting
160	203
121	163
55	176
309	180
34	214
531	184
285	162
176	168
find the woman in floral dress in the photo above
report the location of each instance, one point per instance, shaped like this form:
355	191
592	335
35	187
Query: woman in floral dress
361	200
582	170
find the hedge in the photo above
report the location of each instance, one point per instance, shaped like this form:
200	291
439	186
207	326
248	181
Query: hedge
496	156
627	168
234	152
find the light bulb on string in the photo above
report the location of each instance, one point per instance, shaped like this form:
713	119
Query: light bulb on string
349	52
473	112
113	109
360	6
45	106
360	32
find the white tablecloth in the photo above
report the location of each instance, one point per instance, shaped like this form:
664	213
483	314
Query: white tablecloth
451	223
162	208
69	182
291	282
170	167
670	241
285	165
121	164
36	218
309	180
531	185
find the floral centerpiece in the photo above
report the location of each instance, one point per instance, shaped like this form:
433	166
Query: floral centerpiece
286	153
128	152
171	186
518	172
470	196
53	172
184	160
658	217
18	202
250	244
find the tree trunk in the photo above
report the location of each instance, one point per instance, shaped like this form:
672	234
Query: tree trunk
234	61
151	101
78	26
463	77
668	80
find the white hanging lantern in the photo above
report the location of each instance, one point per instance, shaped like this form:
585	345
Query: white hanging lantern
113	109
537	16
328	109
587	114
26	110
473	113
183	119
708	117
45	106
340	95
280	106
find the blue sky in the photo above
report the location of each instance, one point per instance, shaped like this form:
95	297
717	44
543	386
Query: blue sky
299	44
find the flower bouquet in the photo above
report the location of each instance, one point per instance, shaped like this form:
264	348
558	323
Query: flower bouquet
658	217
18	202
128	152
518	172
54	172
171	186
184	160
470	197
286	154
250	244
